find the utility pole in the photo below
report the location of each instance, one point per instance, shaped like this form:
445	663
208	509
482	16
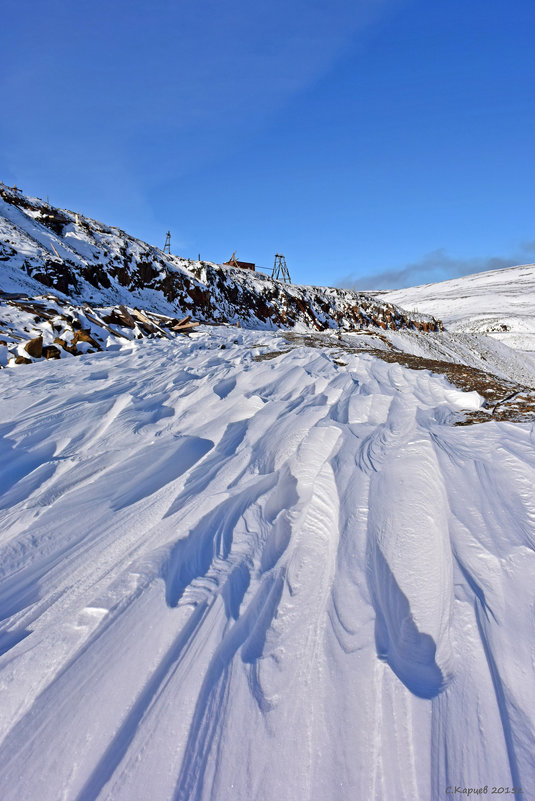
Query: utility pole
167	246
280	270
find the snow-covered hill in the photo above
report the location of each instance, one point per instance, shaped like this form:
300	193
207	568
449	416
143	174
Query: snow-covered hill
237	567
88	262
500	303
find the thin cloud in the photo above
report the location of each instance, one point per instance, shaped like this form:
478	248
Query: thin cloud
437	265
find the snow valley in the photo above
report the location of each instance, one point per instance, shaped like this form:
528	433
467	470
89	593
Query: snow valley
281	560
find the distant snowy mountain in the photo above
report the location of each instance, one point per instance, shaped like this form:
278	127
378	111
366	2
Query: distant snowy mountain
500	303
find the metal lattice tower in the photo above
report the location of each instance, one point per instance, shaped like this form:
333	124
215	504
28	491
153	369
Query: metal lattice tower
280	270
167	246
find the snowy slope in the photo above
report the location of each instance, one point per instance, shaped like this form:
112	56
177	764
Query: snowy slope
86	261
500	303
230	576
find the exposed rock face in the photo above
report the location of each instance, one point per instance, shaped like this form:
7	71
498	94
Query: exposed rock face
89	261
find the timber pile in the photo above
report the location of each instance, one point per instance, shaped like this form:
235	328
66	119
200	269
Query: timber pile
45	327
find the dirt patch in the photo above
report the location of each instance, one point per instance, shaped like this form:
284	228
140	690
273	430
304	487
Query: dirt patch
263	357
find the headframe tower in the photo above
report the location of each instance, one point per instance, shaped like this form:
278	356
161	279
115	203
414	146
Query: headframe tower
280	270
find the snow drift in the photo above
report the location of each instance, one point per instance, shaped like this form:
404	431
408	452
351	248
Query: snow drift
232	576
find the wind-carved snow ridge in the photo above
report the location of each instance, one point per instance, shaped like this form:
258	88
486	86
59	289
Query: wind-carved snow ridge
224	577
410	571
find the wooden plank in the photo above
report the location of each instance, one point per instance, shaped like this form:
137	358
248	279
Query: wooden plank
148	322
127	316
102	324
161	319
184	327
32	308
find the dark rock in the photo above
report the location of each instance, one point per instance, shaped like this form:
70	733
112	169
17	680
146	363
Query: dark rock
96	275
51	352
146	272
35	347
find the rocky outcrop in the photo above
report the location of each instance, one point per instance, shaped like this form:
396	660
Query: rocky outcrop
88	261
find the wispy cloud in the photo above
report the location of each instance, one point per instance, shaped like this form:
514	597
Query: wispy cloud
437	265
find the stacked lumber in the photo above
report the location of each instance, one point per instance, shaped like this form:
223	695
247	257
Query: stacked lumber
45	327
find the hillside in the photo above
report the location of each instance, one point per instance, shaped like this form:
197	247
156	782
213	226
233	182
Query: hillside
75	257
499	303
70	285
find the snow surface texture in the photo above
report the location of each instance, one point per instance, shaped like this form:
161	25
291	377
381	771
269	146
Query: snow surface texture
230	576
500	303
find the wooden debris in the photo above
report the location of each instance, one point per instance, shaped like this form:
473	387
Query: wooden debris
84	335
152	327
51	352
69	348
161	319
184	321
129	320
33	308
184	327
102	324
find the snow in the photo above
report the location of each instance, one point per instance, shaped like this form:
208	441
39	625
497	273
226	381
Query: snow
232	577
259	564
499	303
85	261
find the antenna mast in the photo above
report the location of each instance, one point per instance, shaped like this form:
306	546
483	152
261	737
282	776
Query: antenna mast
167	246
280	270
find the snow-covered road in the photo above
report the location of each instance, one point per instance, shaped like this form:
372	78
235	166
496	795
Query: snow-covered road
286	579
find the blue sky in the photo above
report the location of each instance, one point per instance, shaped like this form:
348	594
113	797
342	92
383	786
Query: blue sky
377	143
